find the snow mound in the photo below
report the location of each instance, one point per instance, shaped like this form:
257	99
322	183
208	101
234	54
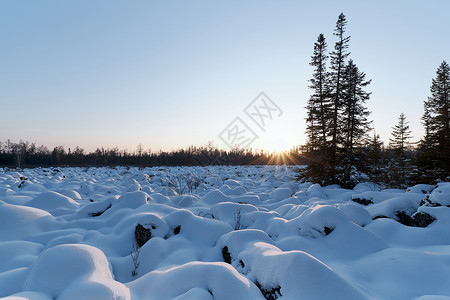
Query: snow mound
53	202
441	194
195	280
280	194
28	296
18	222
195	228
17	254
214	197
185	201
131	200
74	272
391	207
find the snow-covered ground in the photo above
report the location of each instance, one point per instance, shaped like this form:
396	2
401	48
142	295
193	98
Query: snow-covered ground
249	232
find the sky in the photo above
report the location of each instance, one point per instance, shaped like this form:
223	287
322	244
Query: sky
170	74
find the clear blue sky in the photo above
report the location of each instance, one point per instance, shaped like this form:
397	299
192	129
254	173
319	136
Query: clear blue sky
169	74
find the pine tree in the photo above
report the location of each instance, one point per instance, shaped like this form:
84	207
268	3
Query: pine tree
400	136
338	57
435	146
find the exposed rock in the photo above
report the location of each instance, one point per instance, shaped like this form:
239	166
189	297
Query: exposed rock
427	202
177	230
404	219
241	263
418	219
422	219
99	213
328	230
379	217
142	235
362	201
226	255
270	294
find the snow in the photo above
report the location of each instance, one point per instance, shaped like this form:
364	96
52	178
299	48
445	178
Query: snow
74	271
217	232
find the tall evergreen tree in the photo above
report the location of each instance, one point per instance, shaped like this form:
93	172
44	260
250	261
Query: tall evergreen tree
338	58
400	136
426	160
353	122
337	117
375	160
436	119
318	108
427	141
400	166
318	115
439	106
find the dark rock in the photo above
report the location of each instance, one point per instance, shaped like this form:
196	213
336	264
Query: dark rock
419	219
96	214
427	202
404	219
241	263
379	217
362	201
177	230
142	235
226	255
328	230
270	294
422	219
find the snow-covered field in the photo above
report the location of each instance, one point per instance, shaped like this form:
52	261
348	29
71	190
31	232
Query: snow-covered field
249	232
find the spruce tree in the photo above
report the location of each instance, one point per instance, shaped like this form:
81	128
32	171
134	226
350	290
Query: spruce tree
400	136
400	166
427	141
435	146
338	58
375	160
336	115
318	108
318	114
425	154
354	125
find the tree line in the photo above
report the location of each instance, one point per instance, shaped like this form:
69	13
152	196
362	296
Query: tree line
340	147
25	154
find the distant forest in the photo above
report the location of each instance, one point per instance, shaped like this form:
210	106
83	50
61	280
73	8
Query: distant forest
342	146
26	154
